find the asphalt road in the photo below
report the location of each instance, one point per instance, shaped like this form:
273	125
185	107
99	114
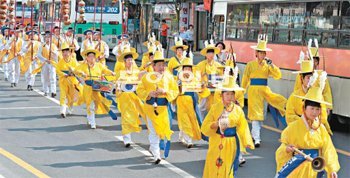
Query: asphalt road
35	141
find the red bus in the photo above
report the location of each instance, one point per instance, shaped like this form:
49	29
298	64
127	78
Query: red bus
289	25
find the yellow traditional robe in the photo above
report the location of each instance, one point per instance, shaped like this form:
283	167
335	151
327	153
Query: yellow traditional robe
186	114
130	105
149	82
70	88
3	52
120	66
27	57
15	48
146	61
327	92
299	134
206	70
174	63
258	93
101	49
294	109
102	104
236	119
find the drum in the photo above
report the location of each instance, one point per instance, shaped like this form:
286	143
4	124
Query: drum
101	86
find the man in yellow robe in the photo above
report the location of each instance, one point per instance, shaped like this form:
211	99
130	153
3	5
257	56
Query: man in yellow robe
311	137
68	38
4	52
209	72
130	107
30	49
48	54
101	46
228	132
256	74
14	47
123	40
88	43
176	61
157	89
93	72
70	88
147	58
57	38
314	55
188	113
294	108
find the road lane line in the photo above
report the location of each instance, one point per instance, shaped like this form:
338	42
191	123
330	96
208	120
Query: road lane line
252	157
23	164
38	107
343	152
165	163
48	97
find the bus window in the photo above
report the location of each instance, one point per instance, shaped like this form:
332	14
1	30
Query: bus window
80	30
345	25
291	23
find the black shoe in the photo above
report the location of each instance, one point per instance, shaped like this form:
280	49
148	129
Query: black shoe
15	84
157	161
31	88
127	145
6	79
257	145
53	95
63	115
12	85
28	87
189	145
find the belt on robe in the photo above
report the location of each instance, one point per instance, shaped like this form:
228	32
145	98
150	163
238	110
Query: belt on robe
258	81
232	132
296	161
159	101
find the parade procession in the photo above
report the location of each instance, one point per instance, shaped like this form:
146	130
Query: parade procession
183	88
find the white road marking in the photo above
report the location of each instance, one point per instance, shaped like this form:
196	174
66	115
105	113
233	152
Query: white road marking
252	157
48	97
42	107
165	163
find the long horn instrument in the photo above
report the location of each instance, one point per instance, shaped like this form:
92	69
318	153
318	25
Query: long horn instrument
318	164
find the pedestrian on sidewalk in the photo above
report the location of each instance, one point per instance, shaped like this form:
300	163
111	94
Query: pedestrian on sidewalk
164	34
155	27
190	41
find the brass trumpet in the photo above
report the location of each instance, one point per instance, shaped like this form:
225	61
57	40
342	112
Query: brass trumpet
317	163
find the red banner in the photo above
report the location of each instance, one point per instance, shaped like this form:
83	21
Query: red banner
207	5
